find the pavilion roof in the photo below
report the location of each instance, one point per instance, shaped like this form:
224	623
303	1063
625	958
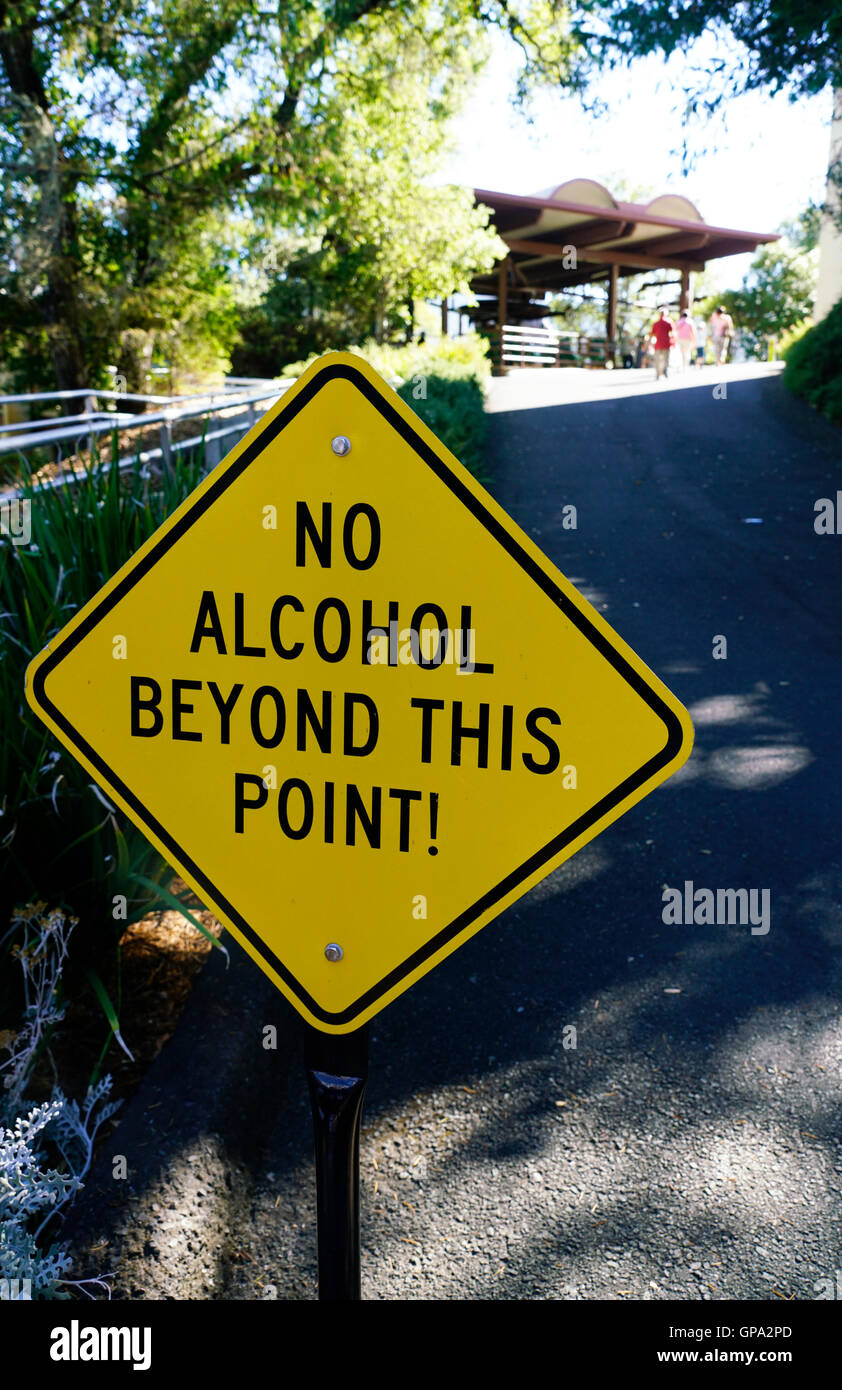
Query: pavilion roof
540	229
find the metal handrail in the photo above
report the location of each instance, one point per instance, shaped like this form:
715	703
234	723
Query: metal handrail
94	393
51	421
97	423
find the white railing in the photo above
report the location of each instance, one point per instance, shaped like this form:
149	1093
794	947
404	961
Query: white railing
228	412
528	345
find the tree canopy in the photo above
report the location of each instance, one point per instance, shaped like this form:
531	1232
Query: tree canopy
154	152
177	177
776	294
793	45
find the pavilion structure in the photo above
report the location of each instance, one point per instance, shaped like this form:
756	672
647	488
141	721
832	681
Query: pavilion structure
578	234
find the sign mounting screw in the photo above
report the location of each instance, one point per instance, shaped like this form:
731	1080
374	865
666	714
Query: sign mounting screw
334	951
341	444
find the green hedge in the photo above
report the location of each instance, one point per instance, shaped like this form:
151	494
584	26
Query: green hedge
443	381
455	411
786	341
814	365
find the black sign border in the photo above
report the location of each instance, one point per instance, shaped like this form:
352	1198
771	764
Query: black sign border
345	372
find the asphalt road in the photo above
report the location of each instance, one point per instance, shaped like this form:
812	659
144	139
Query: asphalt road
689	1145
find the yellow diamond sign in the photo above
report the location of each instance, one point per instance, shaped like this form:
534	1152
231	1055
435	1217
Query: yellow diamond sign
351	702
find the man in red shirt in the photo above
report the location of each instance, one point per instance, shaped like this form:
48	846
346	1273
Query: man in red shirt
662	340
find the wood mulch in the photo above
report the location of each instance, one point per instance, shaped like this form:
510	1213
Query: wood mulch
160	958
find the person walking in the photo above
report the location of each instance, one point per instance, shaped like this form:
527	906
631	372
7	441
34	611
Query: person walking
722	328
662	339
701	340
685	336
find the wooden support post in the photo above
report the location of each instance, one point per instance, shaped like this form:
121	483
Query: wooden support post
611	316
444	316
684	297
502	291
502	313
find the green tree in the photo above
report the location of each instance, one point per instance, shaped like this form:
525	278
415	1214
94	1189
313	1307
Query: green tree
776	294
381	235
803	232
142	144
793	45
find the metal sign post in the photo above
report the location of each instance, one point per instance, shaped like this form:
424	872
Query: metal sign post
337	1070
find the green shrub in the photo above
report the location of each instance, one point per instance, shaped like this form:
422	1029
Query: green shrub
786	342
442	381
59	837
451	359
454	409
814	365
446	357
